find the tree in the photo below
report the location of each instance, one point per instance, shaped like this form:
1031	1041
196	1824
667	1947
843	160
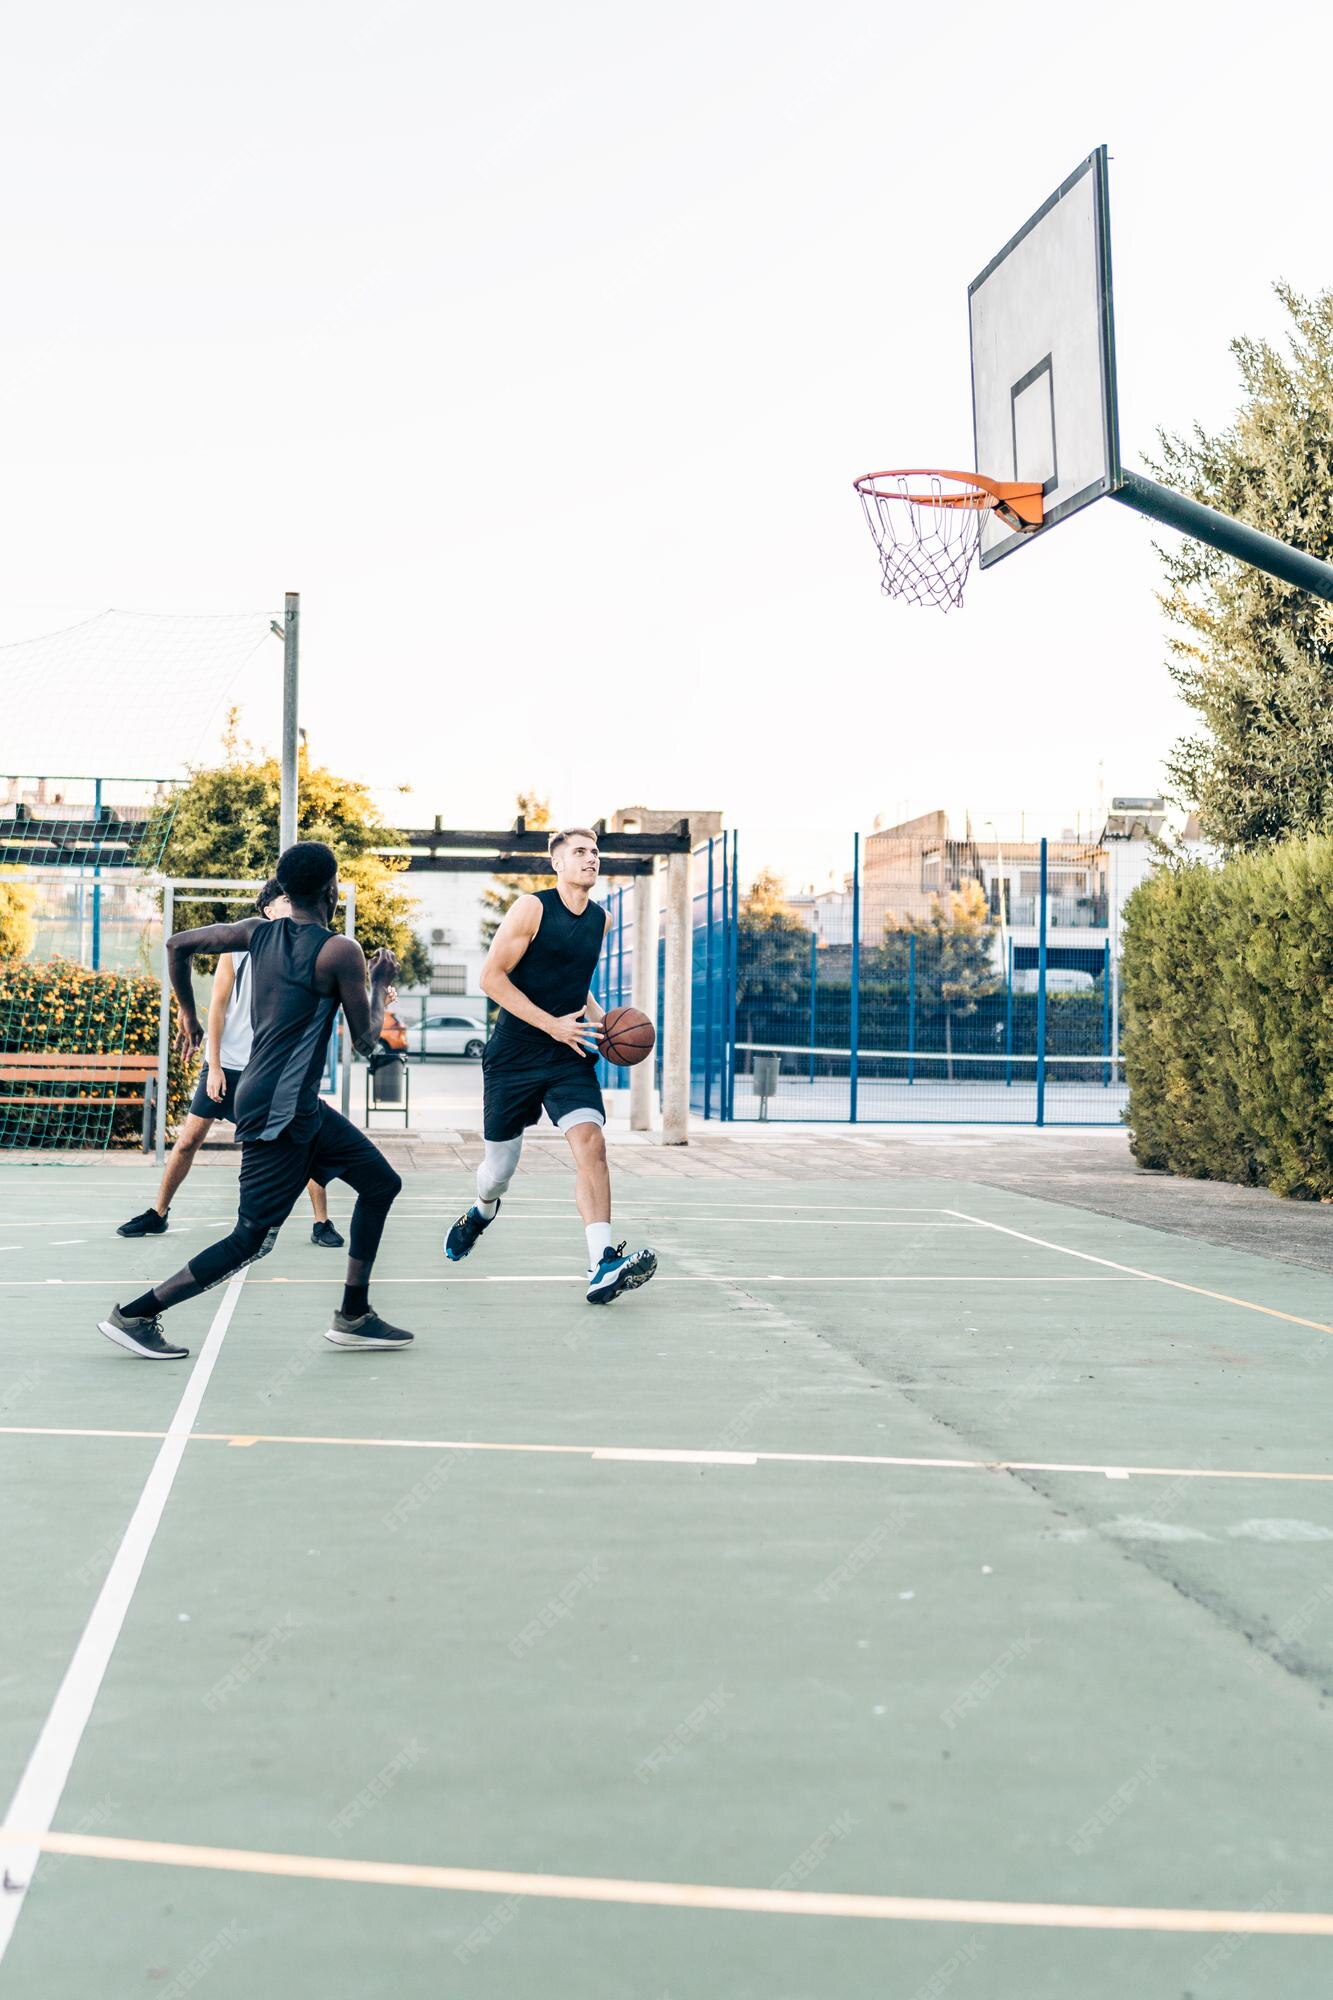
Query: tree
224	822
959	937
414	962
504	890
773	954
1256	658
18	933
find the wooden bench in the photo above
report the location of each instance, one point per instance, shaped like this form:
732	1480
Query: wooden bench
134	1077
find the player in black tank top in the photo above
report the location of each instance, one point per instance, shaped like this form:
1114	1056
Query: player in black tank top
301	973
540	971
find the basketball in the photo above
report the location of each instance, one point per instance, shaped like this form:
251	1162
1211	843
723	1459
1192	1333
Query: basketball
629	1036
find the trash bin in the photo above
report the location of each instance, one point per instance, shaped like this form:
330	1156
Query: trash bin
765	1079
387	1072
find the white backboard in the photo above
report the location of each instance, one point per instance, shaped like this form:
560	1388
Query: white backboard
1043	357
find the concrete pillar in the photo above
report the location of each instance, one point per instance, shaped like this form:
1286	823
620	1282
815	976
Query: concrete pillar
676	1010
643	995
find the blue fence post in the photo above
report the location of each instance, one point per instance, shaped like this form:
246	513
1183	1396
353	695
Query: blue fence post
708	990
734	974
1041	995
97	879
1106	1011
911	1007
814	986
724	973
856	974
1009	1017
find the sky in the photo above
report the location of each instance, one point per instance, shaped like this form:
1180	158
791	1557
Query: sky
538	347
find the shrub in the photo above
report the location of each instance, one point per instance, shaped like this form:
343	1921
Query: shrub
1228	1037
60	1006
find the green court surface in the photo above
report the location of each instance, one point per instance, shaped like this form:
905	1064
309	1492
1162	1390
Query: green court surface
919	1588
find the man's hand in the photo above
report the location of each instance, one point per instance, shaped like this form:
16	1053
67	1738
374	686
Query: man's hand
383	967
576	1031
217	1083
189	1035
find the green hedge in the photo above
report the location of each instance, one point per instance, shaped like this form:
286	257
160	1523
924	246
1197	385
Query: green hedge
60	1005
1228	1035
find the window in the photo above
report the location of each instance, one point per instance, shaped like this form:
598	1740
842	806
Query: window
448	979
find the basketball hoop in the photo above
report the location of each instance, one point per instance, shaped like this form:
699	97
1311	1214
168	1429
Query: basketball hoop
928	535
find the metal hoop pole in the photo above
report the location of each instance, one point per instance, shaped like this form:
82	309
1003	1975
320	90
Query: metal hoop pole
1219	531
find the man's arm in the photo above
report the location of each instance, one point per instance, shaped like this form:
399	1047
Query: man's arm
517	930
224	980
343	962
183	946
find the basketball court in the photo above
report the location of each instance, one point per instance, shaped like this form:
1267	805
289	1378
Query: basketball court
919	1587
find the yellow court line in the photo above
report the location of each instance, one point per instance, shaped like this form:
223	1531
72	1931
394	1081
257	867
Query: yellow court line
703	1455
1132	1271
679	1895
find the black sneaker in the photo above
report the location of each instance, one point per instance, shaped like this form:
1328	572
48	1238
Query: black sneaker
617	1273
368	1331
326	1236
150	1223
140	1336
465	1233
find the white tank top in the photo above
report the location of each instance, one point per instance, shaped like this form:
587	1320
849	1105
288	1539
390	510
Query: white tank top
237	1028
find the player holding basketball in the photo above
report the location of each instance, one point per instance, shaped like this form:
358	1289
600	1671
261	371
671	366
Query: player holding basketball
539	973
301	972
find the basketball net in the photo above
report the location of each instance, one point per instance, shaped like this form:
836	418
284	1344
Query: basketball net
927	529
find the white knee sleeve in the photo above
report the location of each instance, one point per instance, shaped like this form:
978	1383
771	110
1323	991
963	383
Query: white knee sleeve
497	1167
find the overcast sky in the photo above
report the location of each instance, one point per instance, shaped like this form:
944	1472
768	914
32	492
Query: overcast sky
538	347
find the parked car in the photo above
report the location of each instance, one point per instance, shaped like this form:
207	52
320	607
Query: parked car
393	1034
448	1035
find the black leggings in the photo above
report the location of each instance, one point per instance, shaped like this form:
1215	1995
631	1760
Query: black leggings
341	1153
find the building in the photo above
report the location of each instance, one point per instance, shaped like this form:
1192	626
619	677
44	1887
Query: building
905	867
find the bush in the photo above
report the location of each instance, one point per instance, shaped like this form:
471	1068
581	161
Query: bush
61	1006
1228	1040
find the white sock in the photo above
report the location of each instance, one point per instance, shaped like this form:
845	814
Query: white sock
599	1239
487	1210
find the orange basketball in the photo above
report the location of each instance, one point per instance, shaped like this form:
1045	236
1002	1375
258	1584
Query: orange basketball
629	1036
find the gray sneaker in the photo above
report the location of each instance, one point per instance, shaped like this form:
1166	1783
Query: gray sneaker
140	1336
368	1331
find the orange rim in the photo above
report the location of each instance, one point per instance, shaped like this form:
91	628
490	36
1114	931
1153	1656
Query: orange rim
1018	503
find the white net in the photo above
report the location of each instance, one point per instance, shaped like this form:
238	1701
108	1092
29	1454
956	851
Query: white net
124	702
126	694
927	529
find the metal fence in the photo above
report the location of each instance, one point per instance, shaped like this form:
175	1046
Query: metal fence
993	1000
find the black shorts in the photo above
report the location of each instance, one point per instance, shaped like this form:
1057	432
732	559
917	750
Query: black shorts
202	1105
515	1098
274	1171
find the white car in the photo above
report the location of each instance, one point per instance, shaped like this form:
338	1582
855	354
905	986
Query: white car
447	1035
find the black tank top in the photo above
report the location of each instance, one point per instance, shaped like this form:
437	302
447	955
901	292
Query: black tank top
279	1089
555	972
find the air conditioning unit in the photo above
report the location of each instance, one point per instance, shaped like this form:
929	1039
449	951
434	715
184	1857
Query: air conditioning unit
439	937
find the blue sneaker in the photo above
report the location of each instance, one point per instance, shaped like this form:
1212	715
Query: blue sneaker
465	1233
617	1273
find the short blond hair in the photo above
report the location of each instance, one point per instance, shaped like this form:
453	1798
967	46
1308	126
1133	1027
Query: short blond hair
558	840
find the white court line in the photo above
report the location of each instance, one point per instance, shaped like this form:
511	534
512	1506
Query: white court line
37	1798
669	1278
1133	1271
772	1902
693	1208
688	1455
